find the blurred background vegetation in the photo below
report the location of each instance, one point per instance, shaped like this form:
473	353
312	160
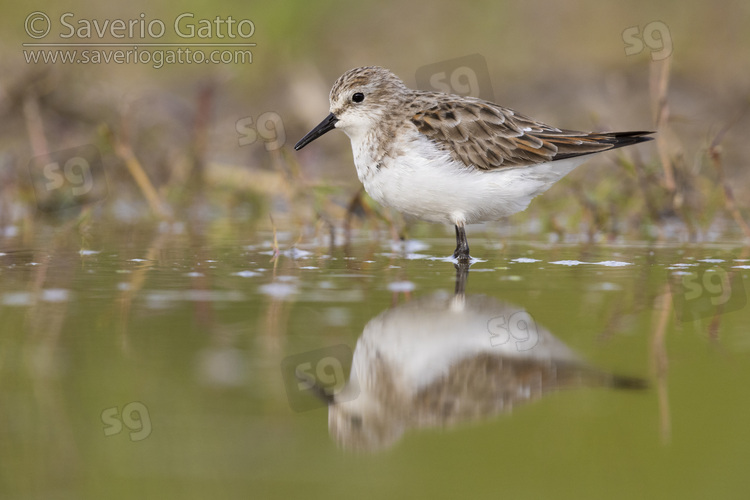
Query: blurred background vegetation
213	143
125	294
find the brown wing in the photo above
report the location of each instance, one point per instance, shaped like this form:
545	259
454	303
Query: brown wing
487	136
485	385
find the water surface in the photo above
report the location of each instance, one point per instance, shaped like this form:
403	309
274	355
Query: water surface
144	363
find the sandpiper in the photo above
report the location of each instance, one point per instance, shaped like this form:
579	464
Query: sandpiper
447	158
442	360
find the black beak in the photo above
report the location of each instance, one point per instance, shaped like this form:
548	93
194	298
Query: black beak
316	390
328	123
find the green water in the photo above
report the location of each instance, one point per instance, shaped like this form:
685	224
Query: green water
156	365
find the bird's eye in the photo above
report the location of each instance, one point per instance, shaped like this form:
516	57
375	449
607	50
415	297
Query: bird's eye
358	97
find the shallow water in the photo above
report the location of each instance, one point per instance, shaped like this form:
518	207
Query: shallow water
148	364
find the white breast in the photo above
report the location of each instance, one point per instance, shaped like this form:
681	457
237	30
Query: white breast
421	340
425	182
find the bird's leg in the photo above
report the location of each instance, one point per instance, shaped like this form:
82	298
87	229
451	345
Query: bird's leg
462	245
462	276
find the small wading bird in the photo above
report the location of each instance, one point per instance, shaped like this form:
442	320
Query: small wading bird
441	361
447	158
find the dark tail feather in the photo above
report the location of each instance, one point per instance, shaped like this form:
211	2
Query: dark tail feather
628	383
620	139
600	141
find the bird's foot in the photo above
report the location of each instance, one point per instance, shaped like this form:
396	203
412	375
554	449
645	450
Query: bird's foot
462	255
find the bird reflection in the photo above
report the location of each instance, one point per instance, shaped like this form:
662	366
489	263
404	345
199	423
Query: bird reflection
442	360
